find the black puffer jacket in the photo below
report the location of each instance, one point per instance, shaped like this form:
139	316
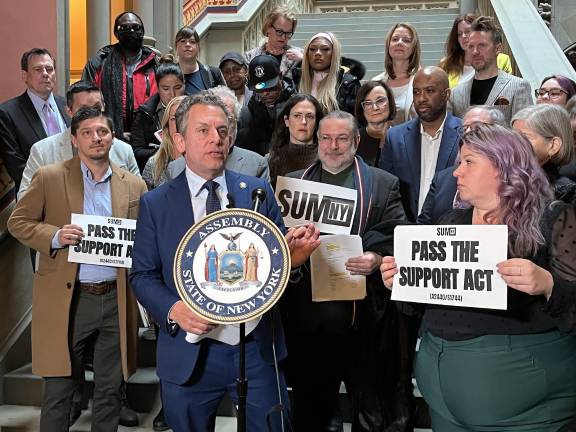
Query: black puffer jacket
349	76
257	121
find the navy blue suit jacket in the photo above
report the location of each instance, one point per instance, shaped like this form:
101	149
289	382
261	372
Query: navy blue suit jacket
401	157
165	216
440	197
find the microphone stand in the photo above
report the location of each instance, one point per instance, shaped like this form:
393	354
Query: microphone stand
242	382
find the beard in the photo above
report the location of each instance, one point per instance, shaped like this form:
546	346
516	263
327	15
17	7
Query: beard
432	114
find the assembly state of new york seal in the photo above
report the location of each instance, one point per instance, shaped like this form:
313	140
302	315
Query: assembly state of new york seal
232	266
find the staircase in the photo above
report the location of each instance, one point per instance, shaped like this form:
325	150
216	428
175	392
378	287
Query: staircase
22	387
362	34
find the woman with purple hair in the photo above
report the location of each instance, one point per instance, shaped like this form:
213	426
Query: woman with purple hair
513	369
555	89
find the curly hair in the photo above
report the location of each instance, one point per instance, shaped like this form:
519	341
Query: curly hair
279	12
281	135
524	190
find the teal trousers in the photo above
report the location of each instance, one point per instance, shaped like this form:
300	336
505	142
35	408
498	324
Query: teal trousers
498	383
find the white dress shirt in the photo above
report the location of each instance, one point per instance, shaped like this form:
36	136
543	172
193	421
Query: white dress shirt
227	333
429	149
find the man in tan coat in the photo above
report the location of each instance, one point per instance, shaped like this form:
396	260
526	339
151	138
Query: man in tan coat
72	302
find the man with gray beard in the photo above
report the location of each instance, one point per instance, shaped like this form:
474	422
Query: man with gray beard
334	341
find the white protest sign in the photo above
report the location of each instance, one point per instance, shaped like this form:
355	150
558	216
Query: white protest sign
330	208
451	265
107	241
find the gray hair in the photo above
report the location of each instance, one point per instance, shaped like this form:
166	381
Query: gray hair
571	107
496	115
549	121
342	115
202	98
225	92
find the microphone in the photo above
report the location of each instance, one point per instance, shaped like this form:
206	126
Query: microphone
258	196
230	201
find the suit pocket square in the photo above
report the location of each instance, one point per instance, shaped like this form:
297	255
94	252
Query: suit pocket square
501	101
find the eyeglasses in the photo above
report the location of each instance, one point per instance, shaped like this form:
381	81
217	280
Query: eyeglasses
282	33
466	33
126	28
299	117
327	139
379	103
553	93
464	129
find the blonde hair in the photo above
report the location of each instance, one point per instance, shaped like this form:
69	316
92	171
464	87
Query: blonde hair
413	61
166	149
327	91
277	12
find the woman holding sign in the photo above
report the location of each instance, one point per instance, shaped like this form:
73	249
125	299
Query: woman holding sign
505	370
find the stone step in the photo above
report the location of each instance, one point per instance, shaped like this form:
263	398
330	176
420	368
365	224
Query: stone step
362	34
374	40
351	35
22	387
413	15
16	418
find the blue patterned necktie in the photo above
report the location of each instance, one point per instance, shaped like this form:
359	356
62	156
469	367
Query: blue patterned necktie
212	201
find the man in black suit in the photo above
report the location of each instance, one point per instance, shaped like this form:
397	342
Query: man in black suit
347	340
32	116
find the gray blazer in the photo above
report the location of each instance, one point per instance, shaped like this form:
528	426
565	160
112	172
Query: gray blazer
511	92
239	160
58	148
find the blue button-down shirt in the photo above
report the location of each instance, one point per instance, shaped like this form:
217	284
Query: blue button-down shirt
98	202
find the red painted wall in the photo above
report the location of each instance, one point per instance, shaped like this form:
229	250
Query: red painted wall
25	24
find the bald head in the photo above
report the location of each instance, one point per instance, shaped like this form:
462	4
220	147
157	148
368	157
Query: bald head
434	73
431	92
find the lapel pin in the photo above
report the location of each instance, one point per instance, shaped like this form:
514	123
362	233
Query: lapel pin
243	185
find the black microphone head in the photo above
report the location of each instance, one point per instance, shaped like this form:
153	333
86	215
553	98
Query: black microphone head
230	200
259	194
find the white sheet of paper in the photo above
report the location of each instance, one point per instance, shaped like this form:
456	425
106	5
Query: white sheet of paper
452	265
330	208
330	279
228	333
107	241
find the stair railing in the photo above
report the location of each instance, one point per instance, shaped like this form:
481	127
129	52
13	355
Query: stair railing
533	49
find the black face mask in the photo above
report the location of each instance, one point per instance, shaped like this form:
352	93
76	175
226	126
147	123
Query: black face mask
131	41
